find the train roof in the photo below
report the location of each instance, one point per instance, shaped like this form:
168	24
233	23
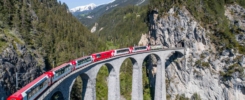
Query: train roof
140	46
60	66
103	52
29	85
82	57
122	48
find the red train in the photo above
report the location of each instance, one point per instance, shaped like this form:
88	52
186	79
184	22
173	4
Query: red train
37	86
102	55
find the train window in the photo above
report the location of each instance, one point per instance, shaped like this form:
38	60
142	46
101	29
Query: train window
85	60
79	62
30	93
62	70
43	83
41	86
98	56
122	51
139	48
35	90
66	68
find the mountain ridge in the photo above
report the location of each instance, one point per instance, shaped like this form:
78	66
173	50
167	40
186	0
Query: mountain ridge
88	18
88	7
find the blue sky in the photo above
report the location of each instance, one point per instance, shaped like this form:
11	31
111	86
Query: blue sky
75	3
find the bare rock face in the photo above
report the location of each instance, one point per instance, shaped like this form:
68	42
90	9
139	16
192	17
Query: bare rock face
236	15
199	71
242	61
143	40
94	28
176	30
19	59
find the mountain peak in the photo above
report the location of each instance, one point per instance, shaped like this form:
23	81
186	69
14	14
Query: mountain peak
90	6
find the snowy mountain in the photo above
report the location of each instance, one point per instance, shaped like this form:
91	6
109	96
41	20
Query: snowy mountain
88	7
89	17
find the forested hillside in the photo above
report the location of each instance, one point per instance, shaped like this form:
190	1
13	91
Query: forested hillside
47	25
46	29
123	26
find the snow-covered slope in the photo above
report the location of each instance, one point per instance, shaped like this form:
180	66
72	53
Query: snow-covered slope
89	17
83	8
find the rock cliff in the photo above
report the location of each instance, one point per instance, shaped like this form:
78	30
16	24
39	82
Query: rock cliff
236	15
206	72
17	58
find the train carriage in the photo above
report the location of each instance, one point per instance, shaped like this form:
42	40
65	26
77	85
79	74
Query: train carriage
33	89
62	70
103	55
83	61
123	51
141	48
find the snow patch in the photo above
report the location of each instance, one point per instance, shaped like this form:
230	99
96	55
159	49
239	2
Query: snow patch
90	17
108	7
83	8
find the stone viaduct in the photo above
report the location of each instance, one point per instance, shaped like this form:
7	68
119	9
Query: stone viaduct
89	74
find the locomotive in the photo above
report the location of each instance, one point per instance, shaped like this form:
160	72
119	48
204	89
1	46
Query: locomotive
33	89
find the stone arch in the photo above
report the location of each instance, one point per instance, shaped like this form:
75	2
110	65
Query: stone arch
57	96
85	82
157	58
134	62
109	67
111	79
126	67
153	62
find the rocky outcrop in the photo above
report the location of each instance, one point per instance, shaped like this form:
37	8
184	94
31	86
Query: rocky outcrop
143	39
18	59
236	15
93	29
202	72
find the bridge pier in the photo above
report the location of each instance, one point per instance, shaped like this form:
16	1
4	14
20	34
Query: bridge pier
160	88
112	86
137	88
89	92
